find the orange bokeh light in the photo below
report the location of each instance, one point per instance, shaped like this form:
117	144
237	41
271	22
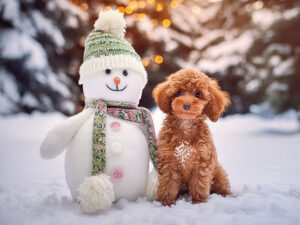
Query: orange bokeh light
158	59
142	16
145	62
128	10
84	6
121	9
159	7
166	22
108	7
174	4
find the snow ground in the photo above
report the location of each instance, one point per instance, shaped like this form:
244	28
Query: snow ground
260	155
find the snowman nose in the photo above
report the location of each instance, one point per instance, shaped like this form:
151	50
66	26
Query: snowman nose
117	80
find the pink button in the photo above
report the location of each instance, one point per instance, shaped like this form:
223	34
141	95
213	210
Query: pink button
115	125
118	174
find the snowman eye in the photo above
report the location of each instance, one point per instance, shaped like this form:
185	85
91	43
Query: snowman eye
107	71
125	73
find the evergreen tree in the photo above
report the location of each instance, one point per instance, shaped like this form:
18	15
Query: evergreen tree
35	58
276	55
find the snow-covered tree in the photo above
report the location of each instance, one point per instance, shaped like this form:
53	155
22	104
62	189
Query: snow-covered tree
36	36
276	57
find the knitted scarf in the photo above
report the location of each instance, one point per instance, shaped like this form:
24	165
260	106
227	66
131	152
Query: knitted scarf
125	111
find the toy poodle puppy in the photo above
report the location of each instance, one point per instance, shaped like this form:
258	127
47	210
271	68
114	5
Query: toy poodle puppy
187	158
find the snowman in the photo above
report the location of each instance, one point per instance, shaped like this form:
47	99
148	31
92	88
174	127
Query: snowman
109	144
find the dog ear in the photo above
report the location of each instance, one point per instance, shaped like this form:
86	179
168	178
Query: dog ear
219	100
161	97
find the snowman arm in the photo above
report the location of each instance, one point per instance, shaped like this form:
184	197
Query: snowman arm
59	137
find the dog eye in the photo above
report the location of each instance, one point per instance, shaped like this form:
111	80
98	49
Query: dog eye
125	73
197	95
107	71
179	93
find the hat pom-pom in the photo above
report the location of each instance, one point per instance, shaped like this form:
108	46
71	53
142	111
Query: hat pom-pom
111	21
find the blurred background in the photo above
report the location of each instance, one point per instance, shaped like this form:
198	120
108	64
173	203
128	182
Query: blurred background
251	47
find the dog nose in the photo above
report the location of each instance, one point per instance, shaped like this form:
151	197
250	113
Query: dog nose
117	80
187	106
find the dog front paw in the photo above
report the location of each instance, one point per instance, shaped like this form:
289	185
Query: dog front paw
200	198
166	201
96	194
197	201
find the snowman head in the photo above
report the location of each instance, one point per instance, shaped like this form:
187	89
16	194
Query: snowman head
121	85
112	70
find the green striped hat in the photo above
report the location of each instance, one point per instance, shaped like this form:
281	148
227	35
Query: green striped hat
106	47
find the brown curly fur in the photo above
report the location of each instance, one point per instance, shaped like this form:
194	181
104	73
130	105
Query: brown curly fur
201	174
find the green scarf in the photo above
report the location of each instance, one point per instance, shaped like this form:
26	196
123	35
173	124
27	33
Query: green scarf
125	111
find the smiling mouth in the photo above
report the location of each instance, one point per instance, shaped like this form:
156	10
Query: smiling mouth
117	88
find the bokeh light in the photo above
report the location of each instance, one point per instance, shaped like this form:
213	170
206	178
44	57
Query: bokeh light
174	4
166	22
108	7
128	10
121	9
258	5
159	7
84	6
145	61
141	16
158	59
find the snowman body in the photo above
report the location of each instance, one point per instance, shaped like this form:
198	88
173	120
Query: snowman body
127	157
111	72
